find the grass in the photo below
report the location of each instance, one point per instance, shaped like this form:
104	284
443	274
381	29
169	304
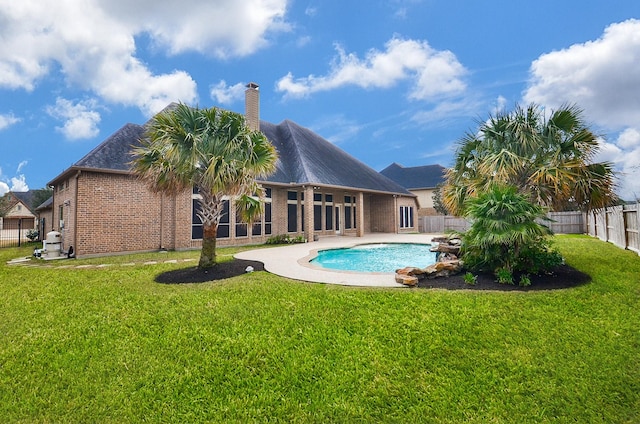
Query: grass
110	345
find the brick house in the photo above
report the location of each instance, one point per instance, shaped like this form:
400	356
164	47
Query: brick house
318	190
419	180
18	213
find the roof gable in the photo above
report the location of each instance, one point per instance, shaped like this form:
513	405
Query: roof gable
307	158
417	177
18	209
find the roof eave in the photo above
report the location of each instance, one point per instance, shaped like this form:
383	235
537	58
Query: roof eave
337	187
75	169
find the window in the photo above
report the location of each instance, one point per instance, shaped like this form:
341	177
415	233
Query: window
328	212
267	217
223	226
292	211
196	222
241	227
349	212
264	222
406	217
317	212
197	229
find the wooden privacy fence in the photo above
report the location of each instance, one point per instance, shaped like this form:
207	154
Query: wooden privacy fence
618	225
562	223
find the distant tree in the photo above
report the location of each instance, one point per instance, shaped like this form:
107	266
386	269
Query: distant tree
213	150
548	160
4	204
40	195
438	205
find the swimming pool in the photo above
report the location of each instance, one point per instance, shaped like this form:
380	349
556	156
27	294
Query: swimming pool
378	257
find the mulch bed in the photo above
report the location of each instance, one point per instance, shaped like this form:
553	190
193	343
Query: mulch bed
219	272
563	277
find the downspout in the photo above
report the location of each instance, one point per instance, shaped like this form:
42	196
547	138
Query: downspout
53	211
75	217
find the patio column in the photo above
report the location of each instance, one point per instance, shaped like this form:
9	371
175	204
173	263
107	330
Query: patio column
360	214
308	213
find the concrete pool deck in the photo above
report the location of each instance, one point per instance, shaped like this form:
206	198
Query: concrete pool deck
292	261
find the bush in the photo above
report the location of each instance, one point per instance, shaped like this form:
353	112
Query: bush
470	279
285	239
505	238
33	235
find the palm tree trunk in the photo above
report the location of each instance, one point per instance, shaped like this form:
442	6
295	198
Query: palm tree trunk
208	253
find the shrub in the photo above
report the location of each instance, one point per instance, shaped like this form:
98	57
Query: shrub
504	276
470	279
505	237
525	281
285	239
33	235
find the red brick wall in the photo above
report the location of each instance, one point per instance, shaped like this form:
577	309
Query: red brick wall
114	213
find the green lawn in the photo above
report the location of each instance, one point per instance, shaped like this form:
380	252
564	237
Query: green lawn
111	345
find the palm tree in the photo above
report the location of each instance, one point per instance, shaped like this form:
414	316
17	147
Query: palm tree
213	150
549	160
506	233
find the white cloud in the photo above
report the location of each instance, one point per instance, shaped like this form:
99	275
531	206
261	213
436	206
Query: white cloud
80	120
8	120
224	28
499	106
629	139
624	153
93	43
602	77
19	183
434	73
225	94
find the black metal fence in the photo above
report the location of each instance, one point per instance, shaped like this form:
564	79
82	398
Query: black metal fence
13	232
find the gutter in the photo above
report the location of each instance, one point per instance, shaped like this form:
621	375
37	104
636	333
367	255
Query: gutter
75	217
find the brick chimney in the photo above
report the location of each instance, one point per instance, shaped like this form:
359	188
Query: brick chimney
252	106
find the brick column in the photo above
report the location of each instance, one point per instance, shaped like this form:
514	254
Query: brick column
308	213
360	214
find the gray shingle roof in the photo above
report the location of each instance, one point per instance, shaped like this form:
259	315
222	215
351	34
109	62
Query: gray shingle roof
304	158
46	204
115	152
307	158
417	177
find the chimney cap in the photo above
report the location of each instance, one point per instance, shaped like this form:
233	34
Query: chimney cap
253	85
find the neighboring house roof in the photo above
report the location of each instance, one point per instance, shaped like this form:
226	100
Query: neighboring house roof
26	197
22	198
304	158
46	204
416	177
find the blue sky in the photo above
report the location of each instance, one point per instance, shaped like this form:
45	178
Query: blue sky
387	81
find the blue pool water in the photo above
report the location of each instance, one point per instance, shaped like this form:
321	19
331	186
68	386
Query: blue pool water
381	257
